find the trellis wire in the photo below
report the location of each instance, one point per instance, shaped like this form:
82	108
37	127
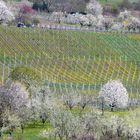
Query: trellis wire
27	60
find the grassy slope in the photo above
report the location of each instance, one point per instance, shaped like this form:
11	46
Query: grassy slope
72	56
110	2
114	2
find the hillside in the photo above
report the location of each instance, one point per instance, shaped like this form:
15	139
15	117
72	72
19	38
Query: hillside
114	2
110	2
72	59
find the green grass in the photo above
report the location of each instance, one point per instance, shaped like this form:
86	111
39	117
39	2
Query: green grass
31	132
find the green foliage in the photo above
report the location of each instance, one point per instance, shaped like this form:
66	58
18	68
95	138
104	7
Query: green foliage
42	6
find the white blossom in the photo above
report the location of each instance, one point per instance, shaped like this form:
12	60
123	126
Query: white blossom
124	15
136	133
84	21
117	26
5	13
114	94
71	100
57	16
13	99
94	8
10	121
108	23
14	96
73	18
134	23
100	20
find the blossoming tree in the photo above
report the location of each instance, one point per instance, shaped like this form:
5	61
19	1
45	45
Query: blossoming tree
5	14
94	8
114	94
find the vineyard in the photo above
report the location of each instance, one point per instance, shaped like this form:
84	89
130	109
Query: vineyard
70	60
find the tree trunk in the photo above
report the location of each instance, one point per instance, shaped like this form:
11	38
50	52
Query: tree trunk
112	109
22	129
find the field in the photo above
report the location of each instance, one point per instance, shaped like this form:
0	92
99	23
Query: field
71	59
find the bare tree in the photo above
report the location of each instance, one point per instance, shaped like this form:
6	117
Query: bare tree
70	100
85	100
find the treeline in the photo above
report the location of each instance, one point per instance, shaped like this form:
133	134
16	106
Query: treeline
60	5
80	6
71	6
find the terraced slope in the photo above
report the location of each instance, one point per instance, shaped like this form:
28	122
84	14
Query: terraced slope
72	59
